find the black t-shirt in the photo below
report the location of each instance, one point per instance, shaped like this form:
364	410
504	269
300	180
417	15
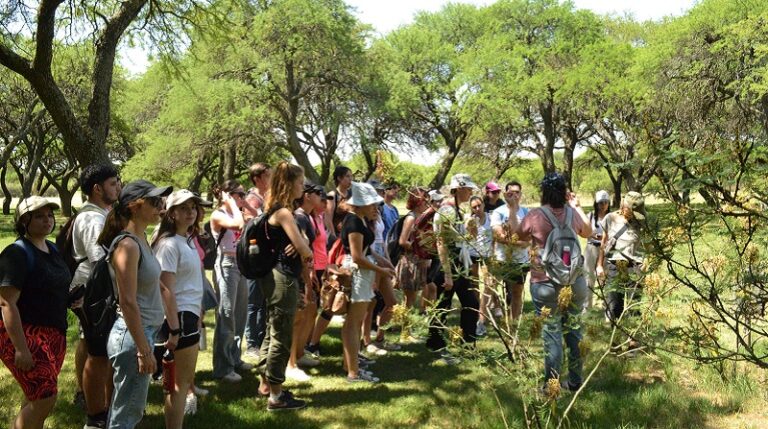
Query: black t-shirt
489	207
44	289
288	265
305	224
353	223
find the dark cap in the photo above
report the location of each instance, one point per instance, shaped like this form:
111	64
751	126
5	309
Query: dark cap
377	185
142	189
310	187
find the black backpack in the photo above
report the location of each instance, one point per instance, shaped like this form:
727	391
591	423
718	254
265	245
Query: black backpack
66	244
210	245
100	300
394	249
261	263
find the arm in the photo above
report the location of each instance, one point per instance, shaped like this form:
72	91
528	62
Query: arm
601	257
219	220
358	257
9	295
405	234
328	218
443	252
586	229
284	217
125	261
167	291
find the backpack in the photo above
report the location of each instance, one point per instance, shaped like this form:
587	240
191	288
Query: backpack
65	242
337	253
210	246
562	236
424	244
99	310
393	247
260	264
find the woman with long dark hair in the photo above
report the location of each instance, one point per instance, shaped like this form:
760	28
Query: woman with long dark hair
181	286
140	312
34	296
591	253
338	208
281	289
411	269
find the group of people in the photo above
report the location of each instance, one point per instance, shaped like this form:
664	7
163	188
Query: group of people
444	243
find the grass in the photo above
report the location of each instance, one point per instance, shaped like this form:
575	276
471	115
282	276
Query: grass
652	391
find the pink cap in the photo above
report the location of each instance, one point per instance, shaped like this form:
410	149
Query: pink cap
491	186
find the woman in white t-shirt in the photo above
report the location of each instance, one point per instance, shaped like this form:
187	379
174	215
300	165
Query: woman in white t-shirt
181	287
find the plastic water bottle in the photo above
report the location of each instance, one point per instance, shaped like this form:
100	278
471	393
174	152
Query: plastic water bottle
169	372
203	344
253	247
567	256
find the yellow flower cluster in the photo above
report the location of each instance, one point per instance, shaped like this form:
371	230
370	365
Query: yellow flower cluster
565	298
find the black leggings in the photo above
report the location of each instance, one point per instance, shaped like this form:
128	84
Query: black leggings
470	305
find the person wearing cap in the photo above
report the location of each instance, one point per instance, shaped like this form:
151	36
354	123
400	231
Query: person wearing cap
101	184
364	263
34	296
492	199
535	227
338	209
453	247
281	289
435	199
140	312
600	209
621	253
389	212
181	287
226	223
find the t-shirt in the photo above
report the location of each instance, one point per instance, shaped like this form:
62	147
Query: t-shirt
627	245
390	216
449	224
178	256
597	230
499	217
44	289
484	240
353	223
489	206
85	232
536	228
378	232
319	245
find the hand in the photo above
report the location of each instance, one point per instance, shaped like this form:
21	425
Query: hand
600	272
573	200
290	250
23	360
448	284
78	303
147	363
172	342
388	272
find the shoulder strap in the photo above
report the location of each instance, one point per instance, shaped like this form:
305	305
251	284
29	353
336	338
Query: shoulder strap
118	239
568	217
551	217
621	231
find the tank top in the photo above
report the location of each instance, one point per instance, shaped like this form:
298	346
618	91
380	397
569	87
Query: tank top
228	244
287	265
147	286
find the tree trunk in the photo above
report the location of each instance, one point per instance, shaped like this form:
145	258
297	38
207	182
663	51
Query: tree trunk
445	166
7	197
617	192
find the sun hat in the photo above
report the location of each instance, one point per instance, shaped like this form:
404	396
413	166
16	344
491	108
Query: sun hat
462	181
635	202
435	196
602	196
142	189
492	187
363	194
183	195
33	203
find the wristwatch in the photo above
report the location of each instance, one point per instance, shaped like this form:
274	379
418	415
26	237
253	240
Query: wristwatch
176	331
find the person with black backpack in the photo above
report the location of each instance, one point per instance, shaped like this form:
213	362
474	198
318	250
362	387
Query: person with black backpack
101	184
554	229
34	296
140	309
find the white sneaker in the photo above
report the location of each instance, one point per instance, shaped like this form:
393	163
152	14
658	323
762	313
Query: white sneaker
497	313
375	350
480	331
296	374
307	361
232	377
190	406
199	391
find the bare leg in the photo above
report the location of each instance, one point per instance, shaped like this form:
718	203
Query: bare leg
350	336
33	414
186	360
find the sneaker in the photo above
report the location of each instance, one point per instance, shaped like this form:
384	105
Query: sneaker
95	424
364	360
410	339
190	406
391	347
363	377
79	400
313	349
480	331
252	353
306	361
286	401
245	366
447	358
232	377
497	313
296	374
375	350
199	391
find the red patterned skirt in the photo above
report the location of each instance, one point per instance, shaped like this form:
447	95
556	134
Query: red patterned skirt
48	347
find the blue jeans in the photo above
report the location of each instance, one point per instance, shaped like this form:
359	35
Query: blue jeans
559	325
230	316
130	395
256	326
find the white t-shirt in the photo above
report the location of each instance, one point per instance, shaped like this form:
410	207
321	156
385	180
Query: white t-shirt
176	255
484	240
628	244
501	216
85	231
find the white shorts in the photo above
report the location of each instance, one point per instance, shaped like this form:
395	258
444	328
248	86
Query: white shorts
362	281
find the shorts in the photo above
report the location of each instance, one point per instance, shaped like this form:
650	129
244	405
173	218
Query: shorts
189	323
48	347
362	282
411	273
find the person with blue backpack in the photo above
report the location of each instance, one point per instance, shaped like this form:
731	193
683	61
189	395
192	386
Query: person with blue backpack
34	297
554	230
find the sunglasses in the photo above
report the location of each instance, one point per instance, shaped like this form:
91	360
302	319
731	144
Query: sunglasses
156	202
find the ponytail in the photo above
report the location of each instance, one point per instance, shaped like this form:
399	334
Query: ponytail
117	220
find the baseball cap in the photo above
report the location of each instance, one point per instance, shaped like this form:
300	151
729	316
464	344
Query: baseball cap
183	195
33	203
142	189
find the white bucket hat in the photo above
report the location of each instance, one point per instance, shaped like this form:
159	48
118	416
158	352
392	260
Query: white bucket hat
435	196
462	181
601	196
363	194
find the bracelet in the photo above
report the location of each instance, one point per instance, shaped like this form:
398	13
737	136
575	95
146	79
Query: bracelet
176	331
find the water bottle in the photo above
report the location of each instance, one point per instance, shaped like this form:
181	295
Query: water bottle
169	372
203	344
567	256
253	247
